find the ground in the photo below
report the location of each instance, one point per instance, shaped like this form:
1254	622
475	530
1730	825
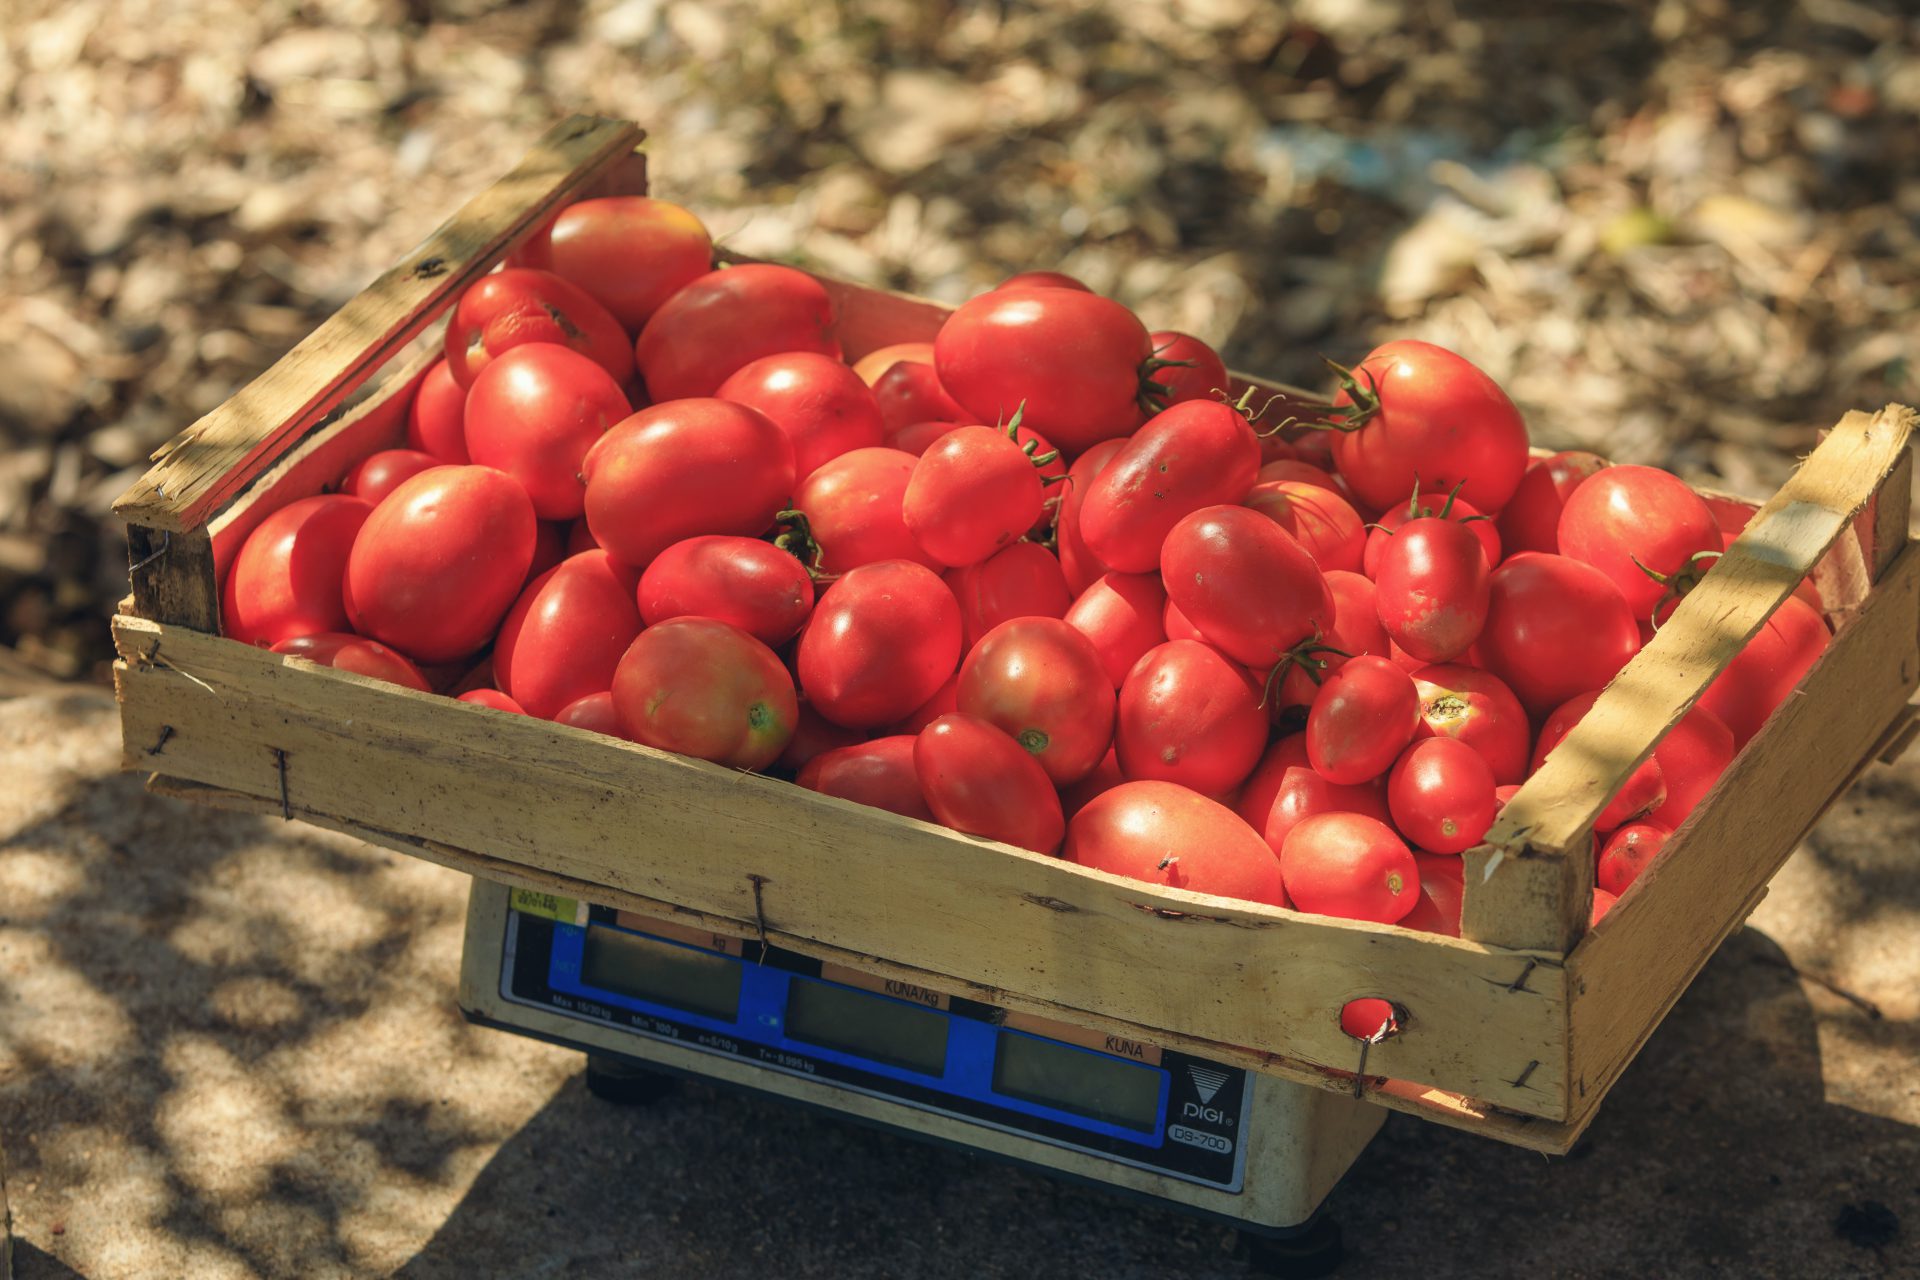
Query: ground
229	1047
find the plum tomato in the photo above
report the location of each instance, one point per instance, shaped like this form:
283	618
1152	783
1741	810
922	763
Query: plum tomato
1081	565
971	493
1321	520
630	253
1105	777
1431	589
1284	788
879	773
1442	892
1042	280
1246	583
752	584
1040	681
1177	625
1627	520
1362	719
980	782
1020	581
1692	756
379	474
1293	470
1356	630
870	367
820	403
1368	1017
436	420
357	654
1184	368
593	713
285	582
1171	835
727	319
1423	506
566	633
436	565
516	306
946	698
1351	866
1763	673
916	438
1646	787
1194	455
533	413
1476	707
853	509
492	698
882	640
678	470
706	689
1603	902
1556	628
1626	854
1188	715
1531	519
1072	359
1121	614
909	391
1414	414
1440	793
549	547
814	734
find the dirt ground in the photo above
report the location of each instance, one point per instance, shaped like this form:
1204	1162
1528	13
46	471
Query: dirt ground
229	1047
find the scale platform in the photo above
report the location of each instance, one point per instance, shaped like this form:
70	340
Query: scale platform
649	999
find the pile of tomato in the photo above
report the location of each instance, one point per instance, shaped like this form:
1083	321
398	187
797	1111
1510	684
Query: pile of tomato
1043	580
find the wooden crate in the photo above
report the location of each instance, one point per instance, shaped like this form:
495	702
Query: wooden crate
1516	1030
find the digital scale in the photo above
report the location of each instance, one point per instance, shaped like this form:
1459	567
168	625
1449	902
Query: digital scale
648	1000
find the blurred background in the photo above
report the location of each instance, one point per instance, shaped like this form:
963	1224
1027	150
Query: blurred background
1679	233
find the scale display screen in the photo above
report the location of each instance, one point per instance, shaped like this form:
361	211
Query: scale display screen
631	964
1058	1075
871	1026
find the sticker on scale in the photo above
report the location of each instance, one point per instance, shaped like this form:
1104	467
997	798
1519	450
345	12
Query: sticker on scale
549	906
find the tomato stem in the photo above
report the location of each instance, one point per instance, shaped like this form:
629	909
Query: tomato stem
797	540
1363	403
1680	581
1152	395
1307	656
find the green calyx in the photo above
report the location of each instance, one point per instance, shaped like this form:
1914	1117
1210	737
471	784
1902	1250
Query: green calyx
1011	428
1362	402
1310	656
796	539
1680	581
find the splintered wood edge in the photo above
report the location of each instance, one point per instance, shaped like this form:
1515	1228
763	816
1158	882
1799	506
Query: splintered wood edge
203	466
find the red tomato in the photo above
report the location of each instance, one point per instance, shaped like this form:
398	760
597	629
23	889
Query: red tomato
813	735
1249	586
1603	902
980	782
533	413
727	319
675	471
1477	708
820	403
1356	630
1645	789
1531	519
549	548
580	538
631	253
1440	793
436	420
1320	519
945	699
1351	866
1081	565
1040	681
1426	416
1192	456
493	698
1362	719
707	689
1042	280
1692	757
1177	625
1120	613
1170	835
514	307
1621	518
873	365
1105	777
879	773
1423	506
1762	675
1555	629
1020	581
1072	359
752	584
1626	854
882	640
285	582
1188	715
1369	1016
1442	891
1284	788
971	493
357	654
436	565
918	437
566	633
1184	368
593	713
909	391
379	474
1291	469
854	512
1432	589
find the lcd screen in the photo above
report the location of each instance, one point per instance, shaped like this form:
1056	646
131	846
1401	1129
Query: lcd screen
1087	1084
869	1026
648	969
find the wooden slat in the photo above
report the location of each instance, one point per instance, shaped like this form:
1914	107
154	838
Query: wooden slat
1629	971
1515	898
1887	517
174	576
677	830
202	467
